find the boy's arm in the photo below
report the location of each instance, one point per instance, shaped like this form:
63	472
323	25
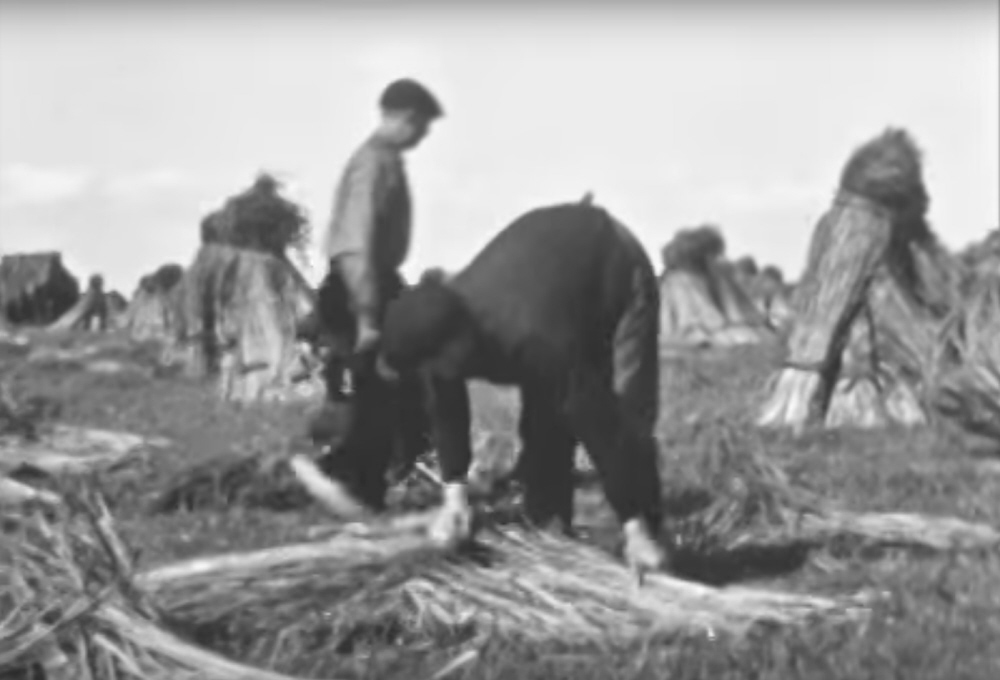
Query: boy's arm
364	192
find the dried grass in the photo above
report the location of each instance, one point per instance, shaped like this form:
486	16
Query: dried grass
266	479
693	248
36	288
72	609
242	310
13	492
76	600
258	218
163	280
702	303
984	257
384	583
255	479
154	312
877	286
538	586
752	500
745	268
513	582
888	170
753	503
967	390
387	584
768	290
22	416
67	449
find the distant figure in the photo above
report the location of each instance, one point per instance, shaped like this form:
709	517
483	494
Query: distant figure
367	241
97	305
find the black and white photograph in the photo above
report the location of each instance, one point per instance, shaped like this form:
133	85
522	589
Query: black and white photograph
560	340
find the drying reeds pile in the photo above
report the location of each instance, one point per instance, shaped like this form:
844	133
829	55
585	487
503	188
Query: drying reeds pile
701	303
251	480
70	607
22	415
968	389
876	288
513	583
79	601
387	581
21	420
258	218
746	498
78	607
774	296
242	310
983	257
265	479
748	501
154	313
244	299
36	288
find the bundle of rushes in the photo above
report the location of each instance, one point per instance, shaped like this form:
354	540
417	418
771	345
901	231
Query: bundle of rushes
877	285
75	591
78	610
19	417
261	480
70	609
251	480
748	501
738	498
702	303
968	388
264	479
512	582
388	585
694	247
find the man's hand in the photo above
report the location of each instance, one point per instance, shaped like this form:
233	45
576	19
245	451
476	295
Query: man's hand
453	523
642	552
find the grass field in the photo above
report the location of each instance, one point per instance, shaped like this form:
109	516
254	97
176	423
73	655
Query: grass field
938	619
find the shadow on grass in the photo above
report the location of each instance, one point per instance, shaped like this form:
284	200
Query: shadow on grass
727	567
721	566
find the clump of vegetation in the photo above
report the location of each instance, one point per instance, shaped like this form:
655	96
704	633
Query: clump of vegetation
36	288
704	301
877	285
163	279
259	218
693	248
75	609
23	416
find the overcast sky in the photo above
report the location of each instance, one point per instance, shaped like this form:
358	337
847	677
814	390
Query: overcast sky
120	128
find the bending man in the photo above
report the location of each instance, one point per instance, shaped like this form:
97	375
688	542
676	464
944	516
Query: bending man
564	304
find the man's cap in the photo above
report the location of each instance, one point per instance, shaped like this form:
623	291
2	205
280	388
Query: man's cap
407	94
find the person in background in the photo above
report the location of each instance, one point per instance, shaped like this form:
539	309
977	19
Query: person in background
97	314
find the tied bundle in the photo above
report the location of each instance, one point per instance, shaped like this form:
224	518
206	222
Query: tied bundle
70	607
79	608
